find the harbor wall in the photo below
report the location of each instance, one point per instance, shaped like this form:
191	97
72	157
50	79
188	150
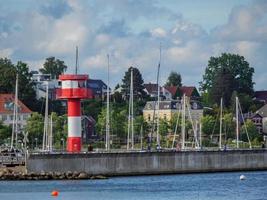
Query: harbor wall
141	163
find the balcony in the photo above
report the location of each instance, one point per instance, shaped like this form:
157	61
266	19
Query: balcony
74	93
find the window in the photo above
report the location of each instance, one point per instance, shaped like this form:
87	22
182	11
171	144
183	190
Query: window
165	116
149	117
4	117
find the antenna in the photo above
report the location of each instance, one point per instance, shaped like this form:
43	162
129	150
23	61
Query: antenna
77	60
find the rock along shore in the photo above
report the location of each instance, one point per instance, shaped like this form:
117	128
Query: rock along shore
10	174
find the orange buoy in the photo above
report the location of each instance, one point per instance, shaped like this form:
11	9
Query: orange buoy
54	193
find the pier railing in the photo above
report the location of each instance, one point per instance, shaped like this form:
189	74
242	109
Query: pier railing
11	159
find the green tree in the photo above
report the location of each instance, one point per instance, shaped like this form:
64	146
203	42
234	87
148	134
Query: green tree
53	66
8	76
5	133
252	131
8	73
26	86
174	79
222	87
34	127
230	67
209	125
138	83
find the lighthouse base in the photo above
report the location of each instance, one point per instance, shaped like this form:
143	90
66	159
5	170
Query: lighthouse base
74	144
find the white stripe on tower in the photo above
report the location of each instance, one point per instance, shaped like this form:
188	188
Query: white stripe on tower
74	126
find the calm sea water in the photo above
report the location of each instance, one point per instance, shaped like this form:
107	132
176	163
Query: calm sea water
213	186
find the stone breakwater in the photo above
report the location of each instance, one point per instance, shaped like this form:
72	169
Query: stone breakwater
144	163
9	174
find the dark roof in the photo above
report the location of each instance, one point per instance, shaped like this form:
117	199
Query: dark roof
262	111
151	87
96	84
261	95
173	105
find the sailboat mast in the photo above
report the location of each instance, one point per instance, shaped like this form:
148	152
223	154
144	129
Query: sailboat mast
107	117
132	127
183	123
45	136
51	133
200	134
220	139
141	132
158	140
16	109
15	116
237	123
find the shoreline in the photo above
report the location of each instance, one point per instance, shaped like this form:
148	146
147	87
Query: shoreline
19	173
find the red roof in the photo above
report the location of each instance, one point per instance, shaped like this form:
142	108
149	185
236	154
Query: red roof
172	89
7	104
187	90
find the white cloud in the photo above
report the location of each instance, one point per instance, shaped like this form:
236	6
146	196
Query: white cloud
6	52
158	32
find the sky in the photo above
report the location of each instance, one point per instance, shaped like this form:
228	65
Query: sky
131	31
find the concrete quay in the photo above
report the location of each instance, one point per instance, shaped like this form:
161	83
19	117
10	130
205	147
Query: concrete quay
144	163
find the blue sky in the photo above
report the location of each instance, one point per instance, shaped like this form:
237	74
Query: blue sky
131	31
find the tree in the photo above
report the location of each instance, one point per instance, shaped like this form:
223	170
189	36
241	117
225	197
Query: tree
34	127
252	132
8	76
209	125
222	87
138	83
53	66
26	86
230	67
8	73
174	79
5	133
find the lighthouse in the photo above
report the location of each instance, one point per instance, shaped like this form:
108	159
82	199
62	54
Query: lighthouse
74	89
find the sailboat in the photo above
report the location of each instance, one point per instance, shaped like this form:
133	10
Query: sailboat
186	107
239	111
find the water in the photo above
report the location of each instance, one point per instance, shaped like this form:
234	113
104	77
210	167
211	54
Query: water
213	186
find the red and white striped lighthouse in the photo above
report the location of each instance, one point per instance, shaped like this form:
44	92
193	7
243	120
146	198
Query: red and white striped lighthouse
73	88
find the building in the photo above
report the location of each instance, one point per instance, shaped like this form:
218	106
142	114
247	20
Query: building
189	91
261	96
260	119
167	109
151	89
98	87
7	111
41	81
89	129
